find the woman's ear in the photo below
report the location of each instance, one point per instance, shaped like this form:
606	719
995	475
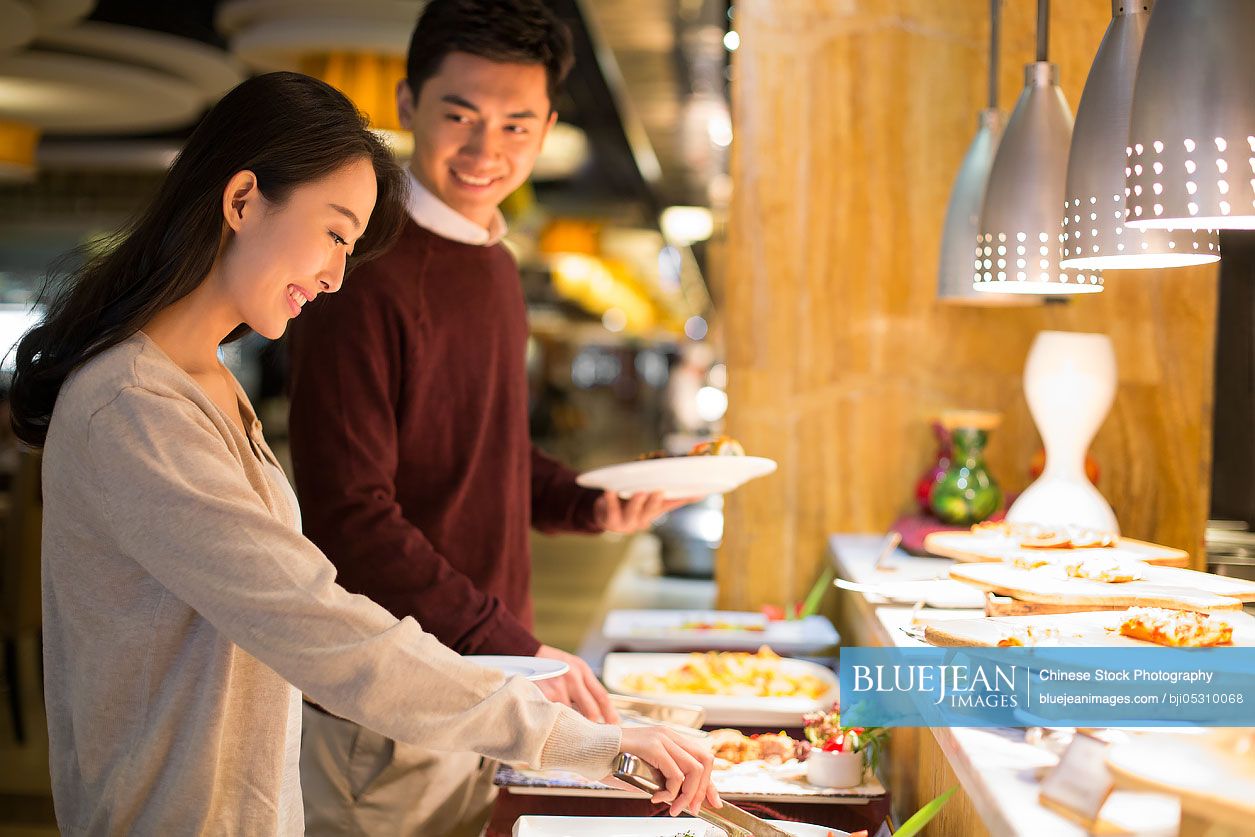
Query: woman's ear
239	198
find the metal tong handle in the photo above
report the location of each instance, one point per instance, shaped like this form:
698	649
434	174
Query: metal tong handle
644	776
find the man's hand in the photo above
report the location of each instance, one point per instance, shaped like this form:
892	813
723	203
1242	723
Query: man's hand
636	514
578	688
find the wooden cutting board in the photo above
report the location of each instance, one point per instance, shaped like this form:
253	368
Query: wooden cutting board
969	546
1170	587
1084	630
1212	774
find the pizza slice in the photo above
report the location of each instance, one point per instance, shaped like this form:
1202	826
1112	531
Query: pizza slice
1175	628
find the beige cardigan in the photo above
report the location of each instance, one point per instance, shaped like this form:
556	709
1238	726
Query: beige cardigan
180	603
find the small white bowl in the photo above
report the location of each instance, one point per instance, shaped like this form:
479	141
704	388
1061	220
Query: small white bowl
834	770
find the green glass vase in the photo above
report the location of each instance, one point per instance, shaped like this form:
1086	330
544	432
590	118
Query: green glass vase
966	494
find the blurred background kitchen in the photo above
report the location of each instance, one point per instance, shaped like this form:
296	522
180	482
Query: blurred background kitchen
823	301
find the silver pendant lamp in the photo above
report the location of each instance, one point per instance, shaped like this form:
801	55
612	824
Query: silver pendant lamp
954	271
1191	147
1017	249
1093	217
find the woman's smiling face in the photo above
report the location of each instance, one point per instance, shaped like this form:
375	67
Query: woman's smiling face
280	256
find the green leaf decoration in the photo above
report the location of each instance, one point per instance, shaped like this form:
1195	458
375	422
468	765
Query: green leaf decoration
924	815
816	595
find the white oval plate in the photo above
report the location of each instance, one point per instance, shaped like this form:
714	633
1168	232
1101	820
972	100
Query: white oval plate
533	668
723	710
680	476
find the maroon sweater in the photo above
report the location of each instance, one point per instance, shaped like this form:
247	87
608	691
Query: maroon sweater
413	462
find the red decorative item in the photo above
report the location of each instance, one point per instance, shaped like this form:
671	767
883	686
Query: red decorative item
938	469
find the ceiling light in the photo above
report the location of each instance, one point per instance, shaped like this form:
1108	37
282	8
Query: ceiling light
1094	234
1192	128
1025	191
685	225
954	271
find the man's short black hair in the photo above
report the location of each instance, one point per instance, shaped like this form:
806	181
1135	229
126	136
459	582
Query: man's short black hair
509	31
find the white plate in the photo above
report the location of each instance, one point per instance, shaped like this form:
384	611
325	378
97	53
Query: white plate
644	827
664	630
533	668
724	710
680	476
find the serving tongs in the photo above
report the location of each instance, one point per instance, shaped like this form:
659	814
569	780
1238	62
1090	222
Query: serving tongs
679	717
734	821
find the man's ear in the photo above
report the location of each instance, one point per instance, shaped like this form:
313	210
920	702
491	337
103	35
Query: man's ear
405	105
549	123
239	198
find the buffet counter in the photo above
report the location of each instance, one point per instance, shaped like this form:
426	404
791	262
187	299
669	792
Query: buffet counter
639	585
998	770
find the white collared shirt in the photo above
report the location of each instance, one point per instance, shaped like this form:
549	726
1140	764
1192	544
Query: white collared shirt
434	215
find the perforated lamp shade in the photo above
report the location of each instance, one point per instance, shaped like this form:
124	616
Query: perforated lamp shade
954	271
1017	250
967	197
1191	147
1095	236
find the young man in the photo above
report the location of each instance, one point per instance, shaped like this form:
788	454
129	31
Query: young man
410	445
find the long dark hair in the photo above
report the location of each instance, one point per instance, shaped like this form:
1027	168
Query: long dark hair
286	128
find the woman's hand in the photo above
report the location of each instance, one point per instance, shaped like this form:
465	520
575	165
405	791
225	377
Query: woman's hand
685	763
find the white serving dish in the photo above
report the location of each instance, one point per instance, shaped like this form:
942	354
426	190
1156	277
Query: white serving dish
530	826
663	630
723	710
679	476
834	770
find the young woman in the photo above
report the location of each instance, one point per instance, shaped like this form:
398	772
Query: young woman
183	610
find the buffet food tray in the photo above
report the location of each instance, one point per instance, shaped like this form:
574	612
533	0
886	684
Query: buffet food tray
716	630
723	709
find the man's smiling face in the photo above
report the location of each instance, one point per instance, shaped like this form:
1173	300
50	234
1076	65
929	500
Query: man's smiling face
478	127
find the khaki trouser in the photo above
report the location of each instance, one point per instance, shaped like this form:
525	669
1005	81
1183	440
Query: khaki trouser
358	782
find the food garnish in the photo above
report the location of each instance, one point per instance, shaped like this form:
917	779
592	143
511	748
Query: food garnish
699	625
